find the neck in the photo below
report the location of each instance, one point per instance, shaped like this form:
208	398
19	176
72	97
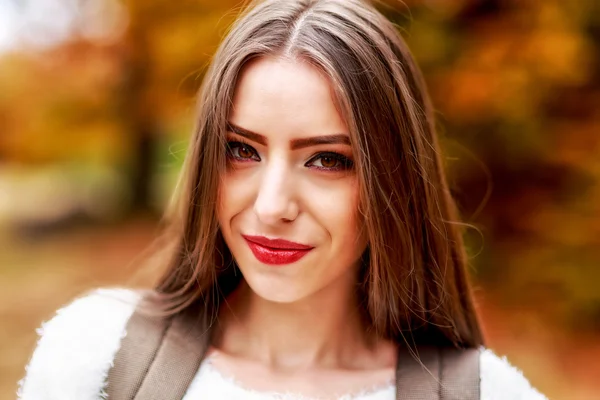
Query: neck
324	329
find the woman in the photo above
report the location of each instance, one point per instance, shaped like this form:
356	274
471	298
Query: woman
316	238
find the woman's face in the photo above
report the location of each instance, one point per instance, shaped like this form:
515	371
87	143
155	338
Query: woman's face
288	206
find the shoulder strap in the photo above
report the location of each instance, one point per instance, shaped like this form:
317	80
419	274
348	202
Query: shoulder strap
442	373
159	358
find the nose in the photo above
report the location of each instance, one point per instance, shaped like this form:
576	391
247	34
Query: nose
275	200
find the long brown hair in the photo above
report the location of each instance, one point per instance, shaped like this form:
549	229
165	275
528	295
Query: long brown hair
413	277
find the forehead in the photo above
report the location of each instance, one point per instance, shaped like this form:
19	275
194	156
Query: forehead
285	97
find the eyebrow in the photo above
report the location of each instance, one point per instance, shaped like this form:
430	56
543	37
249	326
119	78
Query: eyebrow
301	143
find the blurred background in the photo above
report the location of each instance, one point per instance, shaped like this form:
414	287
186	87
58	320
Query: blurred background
97	104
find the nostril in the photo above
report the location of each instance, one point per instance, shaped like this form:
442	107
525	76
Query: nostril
272	210
275	201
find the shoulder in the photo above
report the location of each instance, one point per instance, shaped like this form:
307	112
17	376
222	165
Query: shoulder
76	347
501	380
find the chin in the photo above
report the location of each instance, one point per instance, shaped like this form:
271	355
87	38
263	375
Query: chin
281	298
276	289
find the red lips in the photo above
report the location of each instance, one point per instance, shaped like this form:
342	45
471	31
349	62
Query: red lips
276	251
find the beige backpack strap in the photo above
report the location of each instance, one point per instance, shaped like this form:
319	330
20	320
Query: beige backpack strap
445	374
158	358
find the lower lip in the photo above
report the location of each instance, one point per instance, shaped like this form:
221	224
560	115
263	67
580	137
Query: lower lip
272	256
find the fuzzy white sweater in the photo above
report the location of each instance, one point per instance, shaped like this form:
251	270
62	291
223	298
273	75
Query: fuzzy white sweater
76	348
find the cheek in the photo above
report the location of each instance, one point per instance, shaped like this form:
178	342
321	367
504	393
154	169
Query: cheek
336	207
233	195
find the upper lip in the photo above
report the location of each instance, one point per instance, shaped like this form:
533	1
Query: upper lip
276	243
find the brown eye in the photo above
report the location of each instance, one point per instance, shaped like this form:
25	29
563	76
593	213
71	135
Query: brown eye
245	152
242	152
328	162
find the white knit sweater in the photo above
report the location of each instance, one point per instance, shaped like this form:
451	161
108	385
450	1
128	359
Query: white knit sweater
76	348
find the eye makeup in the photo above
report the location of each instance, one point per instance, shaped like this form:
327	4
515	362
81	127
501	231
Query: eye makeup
330	161
239	150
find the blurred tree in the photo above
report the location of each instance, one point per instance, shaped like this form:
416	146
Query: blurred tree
113	98
164	44
517	84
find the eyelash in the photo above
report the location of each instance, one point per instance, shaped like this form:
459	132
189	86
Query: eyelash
344	162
